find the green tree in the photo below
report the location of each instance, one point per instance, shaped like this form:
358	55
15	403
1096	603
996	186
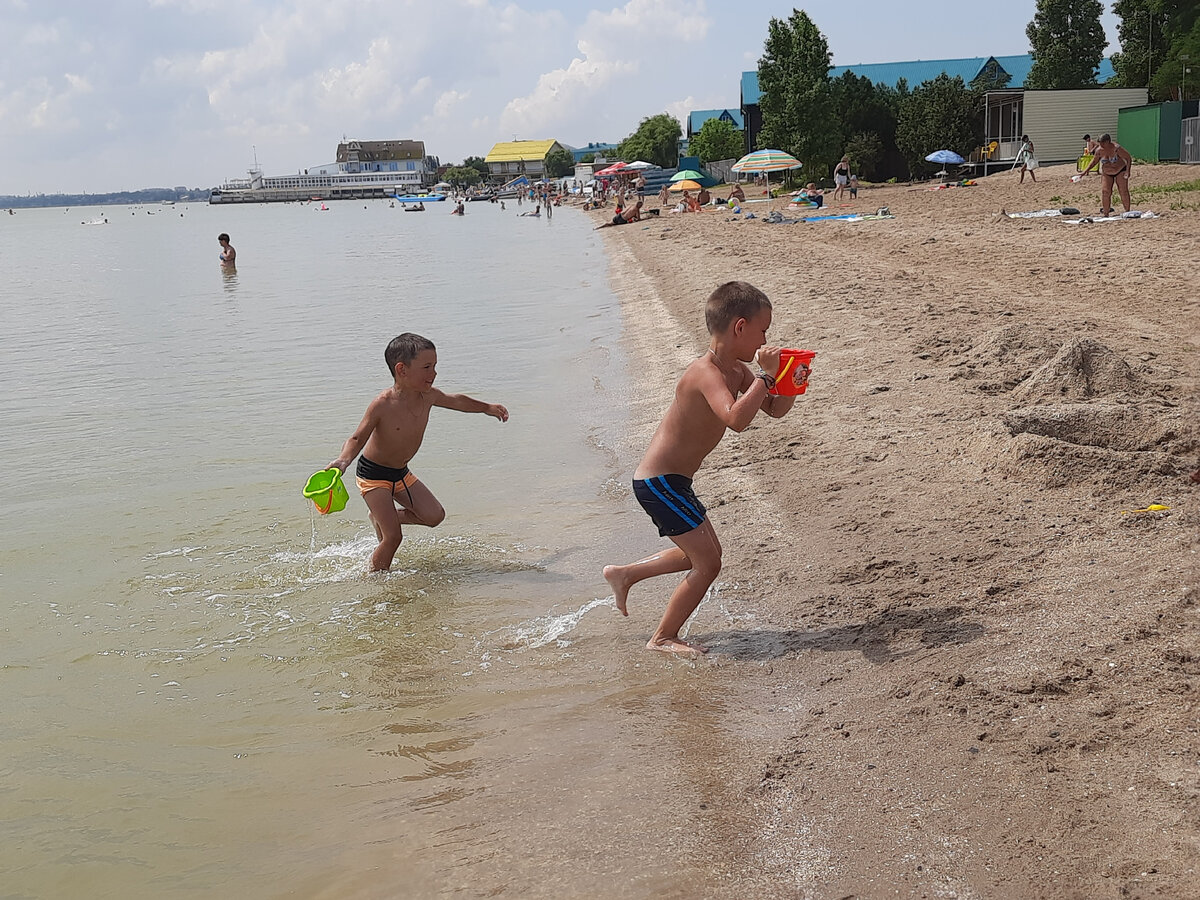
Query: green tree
868	114
1067	42
717	139
477	163
1170	79
940	114
560	162
798	112
588	158
462	175
655	141
1148	30
865	150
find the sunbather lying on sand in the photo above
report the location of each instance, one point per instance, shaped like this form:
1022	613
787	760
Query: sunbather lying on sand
624	218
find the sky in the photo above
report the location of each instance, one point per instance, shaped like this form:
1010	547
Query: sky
126	94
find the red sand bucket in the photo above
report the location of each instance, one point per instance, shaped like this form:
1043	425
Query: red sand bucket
792	378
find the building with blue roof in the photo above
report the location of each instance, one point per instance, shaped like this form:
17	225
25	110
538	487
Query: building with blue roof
913	72
697	118
595	149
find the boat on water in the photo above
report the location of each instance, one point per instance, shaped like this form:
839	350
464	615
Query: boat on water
315	188
419	198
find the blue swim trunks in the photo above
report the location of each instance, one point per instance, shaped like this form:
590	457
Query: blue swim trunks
670	503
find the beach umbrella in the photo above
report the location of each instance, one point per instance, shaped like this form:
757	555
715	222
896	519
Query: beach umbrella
614	169
766	161
686	185
687	175
640	164
945	158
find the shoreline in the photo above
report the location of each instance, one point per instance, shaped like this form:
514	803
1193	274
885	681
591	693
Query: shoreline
955	665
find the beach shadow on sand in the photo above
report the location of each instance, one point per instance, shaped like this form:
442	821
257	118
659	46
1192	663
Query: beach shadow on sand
892	634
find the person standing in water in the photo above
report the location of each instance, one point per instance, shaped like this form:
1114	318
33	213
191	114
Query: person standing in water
228	254
389	436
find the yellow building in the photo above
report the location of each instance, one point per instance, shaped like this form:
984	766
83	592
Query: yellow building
508	159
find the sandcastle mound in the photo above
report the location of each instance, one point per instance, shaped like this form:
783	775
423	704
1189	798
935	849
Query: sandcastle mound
1004	358
1109	425
1053	463
1080	370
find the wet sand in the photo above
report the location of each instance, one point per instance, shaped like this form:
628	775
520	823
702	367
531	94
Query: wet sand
956	665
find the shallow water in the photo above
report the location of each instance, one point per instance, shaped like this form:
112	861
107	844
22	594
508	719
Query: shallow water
203	691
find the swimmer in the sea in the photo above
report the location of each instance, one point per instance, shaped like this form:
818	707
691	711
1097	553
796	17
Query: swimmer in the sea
228	254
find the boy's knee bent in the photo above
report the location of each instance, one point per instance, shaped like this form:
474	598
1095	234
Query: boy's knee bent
435	517
709	567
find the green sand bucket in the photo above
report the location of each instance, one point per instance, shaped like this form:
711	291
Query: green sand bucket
326	491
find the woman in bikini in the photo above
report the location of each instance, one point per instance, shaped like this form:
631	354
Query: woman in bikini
1115	163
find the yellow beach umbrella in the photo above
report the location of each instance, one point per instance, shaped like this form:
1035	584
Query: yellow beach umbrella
684	186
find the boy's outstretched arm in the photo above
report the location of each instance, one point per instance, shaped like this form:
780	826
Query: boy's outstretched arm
463	403
355	443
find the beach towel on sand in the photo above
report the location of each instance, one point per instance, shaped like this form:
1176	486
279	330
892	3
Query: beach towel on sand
1039	214
1092	220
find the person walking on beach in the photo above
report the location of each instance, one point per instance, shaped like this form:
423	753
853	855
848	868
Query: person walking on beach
716	392
1026	160
228	255
1115	165
389	436
841	178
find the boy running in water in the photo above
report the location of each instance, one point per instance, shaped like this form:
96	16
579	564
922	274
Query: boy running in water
390	435
717	391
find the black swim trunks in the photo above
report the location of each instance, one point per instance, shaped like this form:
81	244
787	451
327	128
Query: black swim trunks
670	503
370	476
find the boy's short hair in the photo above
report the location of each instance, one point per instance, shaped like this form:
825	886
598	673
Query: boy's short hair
732	301
222	237
404	349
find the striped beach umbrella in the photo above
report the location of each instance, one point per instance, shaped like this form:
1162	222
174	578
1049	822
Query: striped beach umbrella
766	161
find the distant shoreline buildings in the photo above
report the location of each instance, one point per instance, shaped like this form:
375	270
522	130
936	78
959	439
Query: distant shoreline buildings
362	170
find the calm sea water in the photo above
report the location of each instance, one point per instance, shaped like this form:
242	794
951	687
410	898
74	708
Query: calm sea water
203	693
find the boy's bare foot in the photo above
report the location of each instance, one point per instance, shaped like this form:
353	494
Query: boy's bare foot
620	587
677	647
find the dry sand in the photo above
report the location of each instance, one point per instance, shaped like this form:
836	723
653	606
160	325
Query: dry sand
961	668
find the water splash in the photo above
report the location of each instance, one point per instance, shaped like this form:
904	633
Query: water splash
543	630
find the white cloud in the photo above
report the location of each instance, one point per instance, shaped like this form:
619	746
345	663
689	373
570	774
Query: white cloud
446	102
680	109
674	19
41	105
564	91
